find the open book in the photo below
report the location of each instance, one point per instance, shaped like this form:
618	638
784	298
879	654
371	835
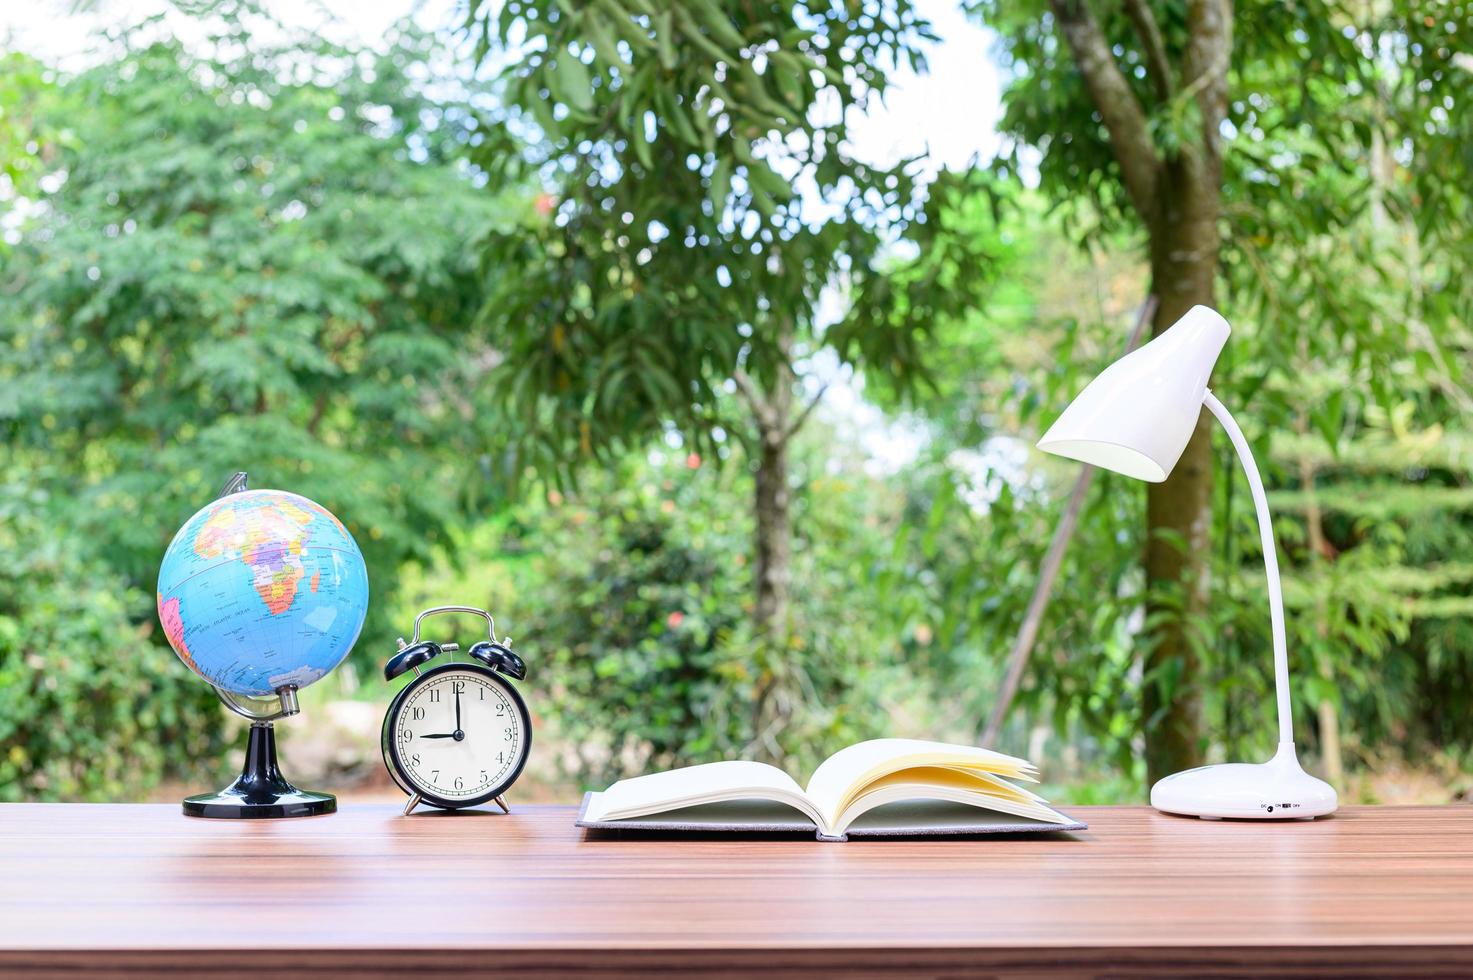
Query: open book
886	787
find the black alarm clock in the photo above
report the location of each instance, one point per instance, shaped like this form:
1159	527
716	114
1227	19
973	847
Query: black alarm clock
458	734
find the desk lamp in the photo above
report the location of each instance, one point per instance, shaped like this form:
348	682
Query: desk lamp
1135	419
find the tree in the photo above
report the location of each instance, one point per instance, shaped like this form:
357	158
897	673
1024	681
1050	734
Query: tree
1188	123
1174	191
634	586
25	86
980	514
89	709
701	198
220	276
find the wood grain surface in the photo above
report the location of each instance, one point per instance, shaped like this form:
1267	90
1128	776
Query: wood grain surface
141	889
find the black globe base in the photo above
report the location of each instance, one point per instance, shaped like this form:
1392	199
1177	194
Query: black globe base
261	791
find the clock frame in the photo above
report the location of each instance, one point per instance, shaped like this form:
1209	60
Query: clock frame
399	770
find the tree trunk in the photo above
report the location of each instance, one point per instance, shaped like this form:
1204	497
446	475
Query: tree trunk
774	524
1177	197
772	415
1184	252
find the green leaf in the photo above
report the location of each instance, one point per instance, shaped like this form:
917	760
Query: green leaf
641	145
574	84
716	20
603	42
664	37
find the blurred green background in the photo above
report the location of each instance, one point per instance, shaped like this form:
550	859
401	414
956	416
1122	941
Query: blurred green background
602	316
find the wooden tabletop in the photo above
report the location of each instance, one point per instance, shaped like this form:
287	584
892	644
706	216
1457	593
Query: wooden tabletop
1371	891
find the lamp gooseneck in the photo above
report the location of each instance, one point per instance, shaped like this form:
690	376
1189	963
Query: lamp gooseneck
1270	564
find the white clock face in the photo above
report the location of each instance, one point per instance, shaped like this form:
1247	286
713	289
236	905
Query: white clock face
459	735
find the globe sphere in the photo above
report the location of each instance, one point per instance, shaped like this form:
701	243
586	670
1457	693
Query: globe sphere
262	589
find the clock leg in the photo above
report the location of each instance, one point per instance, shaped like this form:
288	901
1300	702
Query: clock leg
413	802
501	802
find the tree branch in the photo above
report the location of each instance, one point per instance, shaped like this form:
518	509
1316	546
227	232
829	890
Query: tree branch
319	406
1053	559
1114	100
807	411
732	422
760	409
1139	12
1205	66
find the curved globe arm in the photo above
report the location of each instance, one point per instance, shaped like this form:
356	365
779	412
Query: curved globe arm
1270	564
283	704
236	484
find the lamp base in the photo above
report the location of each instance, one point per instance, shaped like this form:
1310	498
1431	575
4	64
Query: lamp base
1275	790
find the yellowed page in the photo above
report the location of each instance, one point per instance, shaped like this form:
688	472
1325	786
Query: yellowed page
952	785
715	782
902	793
982	782
846	773
1030	776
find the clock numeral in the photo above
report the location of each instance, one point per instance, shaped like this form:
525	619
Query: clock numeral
457	783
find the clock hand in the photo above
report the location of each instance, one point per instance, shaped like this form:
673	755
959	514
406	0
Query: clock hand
457	710
450	735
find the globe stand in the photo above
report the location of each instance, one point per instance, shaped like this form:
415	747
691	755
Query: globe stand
261	791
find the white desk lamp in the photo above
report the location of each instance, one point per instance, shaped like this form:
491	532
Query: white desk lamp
1135	419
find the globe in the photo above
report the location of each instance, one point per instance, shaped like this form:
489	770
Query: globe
262	589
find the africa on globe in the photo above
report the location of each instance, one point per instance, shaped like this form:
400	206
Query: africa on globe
262	590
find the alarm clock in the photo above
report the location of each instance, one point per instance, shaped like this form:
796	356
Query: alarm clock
458	734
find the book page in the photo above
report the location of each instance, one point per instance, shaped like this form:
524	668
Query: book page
715	782
911	818
846	773
950	785
997	784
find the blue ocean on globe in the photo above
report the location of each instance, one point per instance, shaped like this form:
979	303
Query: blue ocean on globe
262	589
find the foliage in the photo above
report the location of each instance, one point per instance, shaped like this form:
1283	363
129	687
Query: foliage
1346	307
217	273
1315	198
639	616
635	620
981	509
224	278
89	707
1382	585
702	194
25	86
702	197
1375	611
288	257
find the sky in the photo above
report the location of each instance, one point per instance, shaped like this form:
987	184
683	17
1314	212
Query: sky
949	114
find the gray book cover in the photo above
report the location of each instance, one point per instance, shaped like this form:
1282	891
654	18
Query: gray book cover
911	818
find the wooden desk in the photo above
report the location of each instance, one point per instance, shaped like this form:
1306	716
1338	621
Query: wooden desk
142	888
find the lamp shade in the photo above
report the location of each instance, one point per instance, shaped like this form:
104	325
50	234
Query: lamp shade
1137	415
